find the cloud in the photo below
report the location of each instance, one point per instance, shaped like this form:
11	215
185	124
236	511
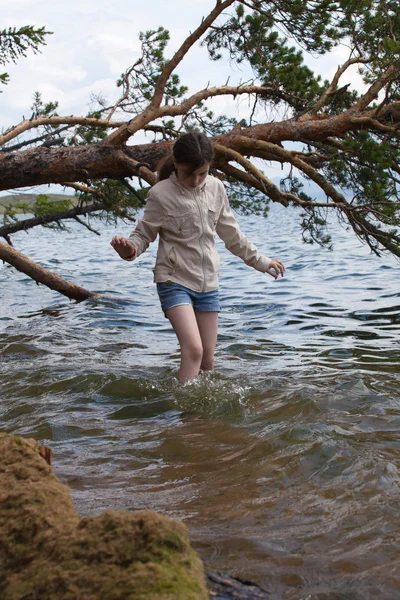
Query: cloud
117	52
94	41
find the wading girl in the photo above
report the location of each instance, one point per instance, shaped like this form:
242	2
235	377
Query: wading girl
186	208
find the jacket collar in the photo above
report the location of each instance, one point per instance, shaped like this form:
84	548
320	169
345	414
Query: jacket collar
184	187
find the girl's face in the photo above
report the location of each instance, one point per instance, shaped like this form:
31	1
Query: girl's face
189	177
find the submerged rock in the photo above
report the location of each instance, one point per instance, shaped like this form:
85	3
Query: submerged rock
223	587
47	552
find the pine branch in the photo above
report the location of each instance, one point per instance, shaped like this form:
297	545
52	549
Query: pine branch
152	111
321	102
53	218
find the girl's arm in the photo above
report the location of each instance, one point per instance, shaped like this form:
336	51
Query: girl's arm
145	232
124	248
236	242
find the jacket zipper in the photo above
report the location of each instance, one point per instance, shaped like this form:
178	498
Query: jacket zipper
201	242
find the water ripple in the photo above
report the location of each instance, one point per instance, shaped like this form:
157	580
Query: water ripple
284	463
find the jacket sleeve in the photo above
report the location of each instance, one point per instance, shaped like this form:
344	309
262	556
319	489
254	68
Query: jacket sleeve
148	227
236	242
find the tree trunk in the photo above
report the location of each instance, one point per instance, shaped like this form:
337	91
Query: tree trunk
95	161
41	275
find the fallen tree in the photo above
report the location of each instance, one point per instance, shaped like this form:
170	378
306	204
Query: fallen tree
41	275
342	141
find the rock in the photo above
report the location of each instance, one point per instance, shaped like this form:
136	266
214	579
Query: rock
223	587
47	552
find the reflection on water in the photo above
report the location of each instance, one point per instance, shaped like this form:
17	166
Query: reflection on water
284	464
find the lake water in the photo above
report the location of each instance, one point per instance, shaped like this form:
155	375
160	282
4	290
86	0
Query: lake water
285	464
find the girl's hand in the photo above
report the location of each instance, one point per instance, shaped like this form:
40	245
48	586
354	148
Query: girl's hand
276	268
124	248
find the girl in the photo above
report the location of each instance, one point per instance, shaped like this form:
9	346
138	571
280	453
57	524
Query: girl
186	208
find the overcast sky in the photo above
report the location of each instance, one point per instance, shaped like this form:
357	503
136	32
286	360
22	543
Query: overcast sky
94	41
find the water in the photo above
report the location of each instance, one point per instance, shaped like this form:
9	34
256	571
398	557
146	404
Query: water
284	465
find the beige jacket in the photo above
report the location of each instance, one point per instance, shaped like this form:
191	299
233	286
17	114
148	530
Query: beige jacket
187	220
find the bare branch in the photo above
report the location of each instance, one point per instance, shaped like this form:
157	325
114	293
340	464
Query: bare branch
41	275
28	124
181	109
165	131
374	124
40	138
293	159
87	225
372	93
269	188
141	170
85	189
125	83
332	87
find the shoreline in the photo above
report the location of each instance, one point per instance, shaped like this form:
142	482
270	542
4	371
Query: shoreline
29	200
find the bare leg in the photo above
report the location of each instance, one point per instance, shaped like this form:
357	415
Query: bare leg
183	320
208	327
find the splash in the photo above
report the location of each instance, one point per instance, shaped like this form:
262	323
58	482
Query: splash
213	394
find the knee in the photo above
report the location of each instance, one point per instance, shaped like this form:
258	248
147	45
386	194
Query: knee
193	352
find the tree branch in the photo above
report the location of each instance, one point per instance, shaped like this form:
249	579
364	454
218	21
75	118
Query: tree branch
181	109
331	88
245	177
127	89
40	138
375	124
269	188
38	166
372	93
366	230
85	189
141	170
28	124
53	218
240	175
41	275
293	159
255	182
87	226
152	111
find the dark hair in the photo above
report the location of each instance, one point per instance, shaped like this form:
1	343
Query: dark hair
192	149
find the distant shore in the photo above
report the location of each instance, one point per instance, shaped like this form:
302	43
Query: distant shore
28	200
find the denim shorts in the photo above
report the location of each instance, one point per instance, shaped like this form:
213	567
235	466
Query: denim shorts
173	294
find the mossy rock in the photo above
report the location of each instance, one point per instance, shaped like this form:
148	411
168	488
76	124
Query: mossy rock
48	552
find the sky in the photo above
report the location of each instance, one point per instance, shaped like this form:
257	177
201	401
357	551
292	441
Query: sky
94	41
